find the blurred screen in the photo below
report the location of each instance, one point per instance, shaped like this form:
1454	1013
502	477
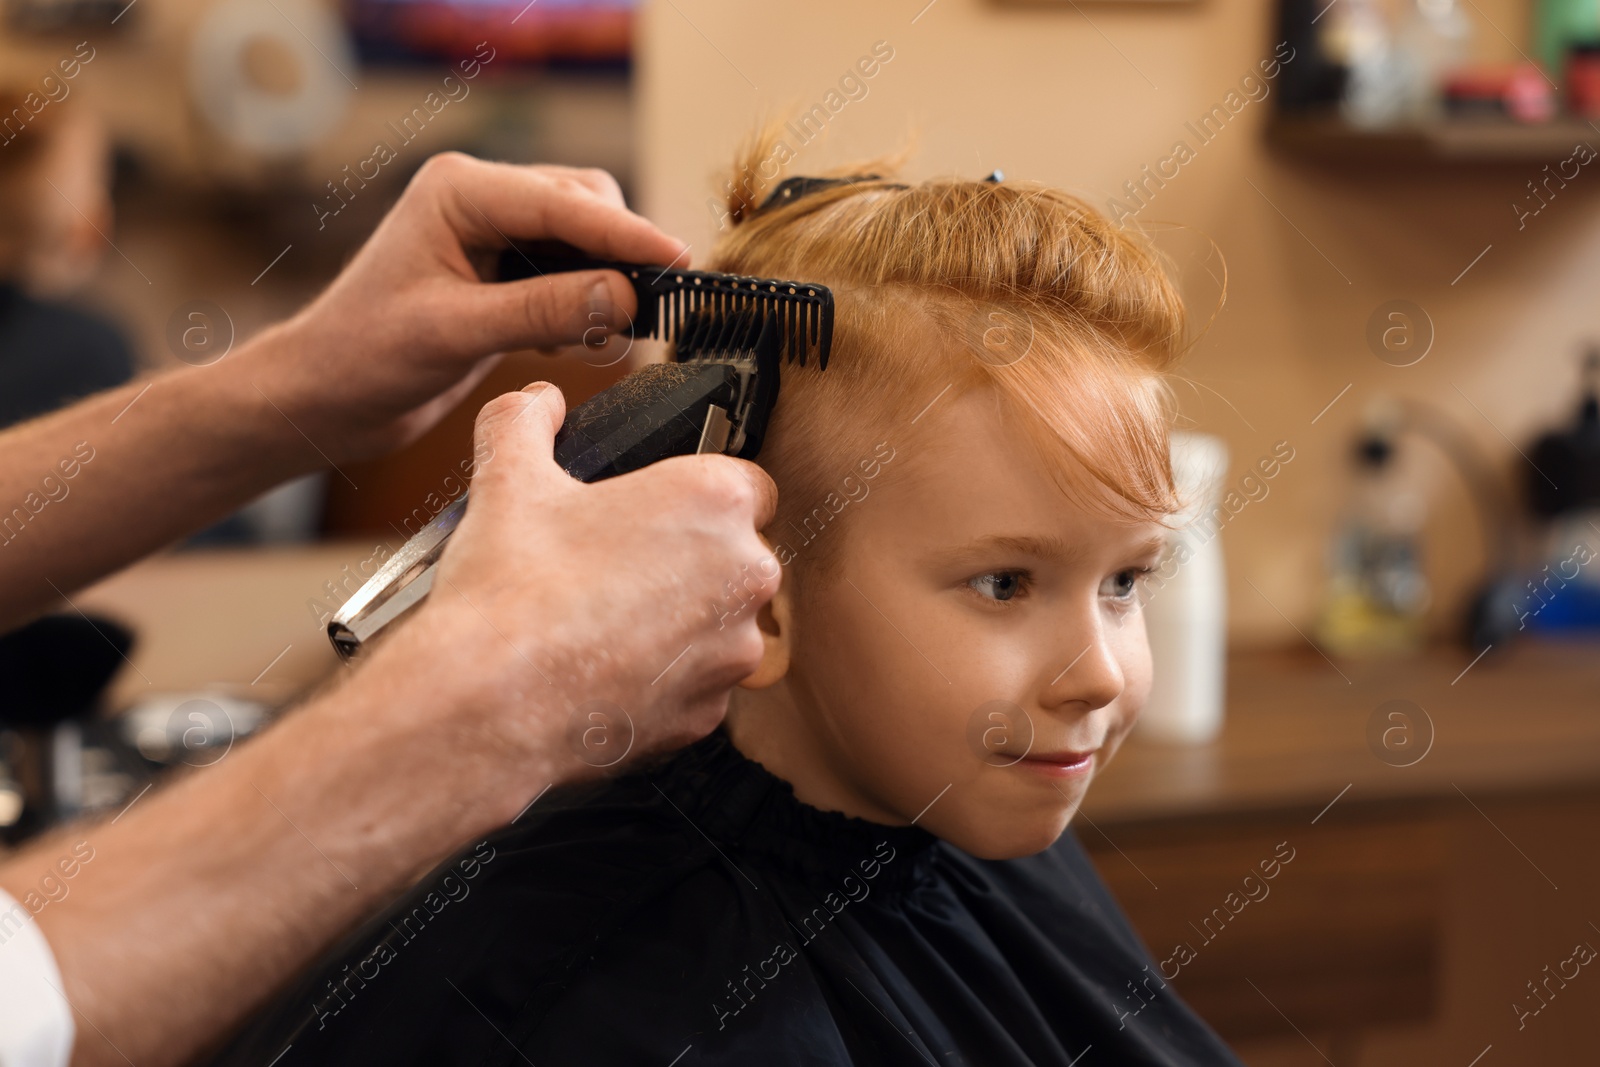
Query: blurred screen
565	32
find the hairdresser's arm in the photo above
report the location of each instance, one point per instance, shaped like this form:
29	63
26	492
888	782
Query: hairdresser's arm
392	345
204	896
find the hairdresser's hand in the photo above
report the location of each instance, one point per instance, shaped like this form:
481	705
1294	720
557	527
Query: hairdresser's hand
637	593
408	328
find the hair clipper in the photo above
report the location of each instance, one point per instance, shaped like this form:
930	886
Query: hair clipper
731	333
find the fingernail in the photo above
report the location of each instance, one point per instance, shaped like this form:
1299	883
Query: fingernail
603	314
537	388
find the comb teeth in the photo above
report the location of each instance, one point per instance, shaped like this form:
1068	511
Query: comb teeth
708	335
801	314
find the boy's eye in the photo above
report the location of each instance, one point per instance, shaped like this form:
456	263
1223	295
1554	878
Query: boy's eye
1001	585
1123	584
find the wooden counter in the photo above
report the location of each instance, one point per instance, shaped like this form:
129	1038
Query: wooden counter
1430	881
226	617
1296	735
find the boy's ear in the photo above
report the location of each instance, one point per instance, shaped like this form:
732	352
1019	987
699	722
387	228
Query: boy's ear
774	621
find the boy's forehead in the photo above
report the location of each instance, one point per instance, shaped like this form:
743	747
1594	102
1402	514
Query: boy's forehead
967	469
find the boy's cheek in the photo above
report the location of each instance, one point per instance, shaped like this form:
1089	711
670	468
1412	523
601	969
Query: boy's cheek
1138	675
1122	725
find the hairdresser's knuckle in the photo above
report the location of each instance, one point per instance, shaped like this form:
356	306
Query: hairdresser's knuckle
541	315
766	571
748	650
754	589
444	169
569	180
726	489
602	182
495	417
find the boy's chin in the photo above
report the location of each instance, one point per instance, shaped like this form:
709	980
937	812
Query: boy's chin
999	837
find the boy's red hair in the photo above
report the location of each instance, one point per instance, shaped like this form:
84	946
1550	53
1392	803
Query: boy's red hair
1024	289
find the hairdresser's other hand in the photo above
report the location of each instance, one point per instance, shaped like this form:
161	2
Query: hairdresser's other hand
571	624
407	329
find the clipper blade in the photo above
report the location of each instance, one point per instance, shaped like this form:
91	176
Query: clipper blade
752	343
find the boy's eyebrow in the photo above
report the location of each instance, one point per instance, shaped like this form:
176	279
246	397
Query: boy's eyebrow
1050	546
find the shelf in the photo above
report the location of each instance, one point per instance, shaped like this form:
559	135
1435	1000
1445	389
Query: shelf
1296	732
1478	142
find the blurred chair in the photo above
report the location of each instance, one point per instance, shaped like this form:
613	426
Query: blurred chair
55	206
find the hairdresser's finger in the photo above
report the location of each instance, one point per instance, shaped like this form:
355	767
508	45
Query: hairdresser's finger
764	502
514	440
737	485
593	178
487	202
554	309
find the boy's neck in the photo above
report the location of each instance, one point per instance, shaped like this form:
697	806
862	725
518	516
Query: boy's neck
767	727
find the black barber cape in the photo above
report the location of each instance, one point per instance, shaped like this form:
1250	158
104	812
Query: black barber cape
700	914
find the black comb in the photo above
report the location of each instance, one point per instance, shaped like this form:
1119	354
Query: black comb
801	312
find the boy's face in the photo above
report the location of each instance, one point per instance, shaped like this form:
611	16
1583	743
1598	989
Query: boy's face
976	653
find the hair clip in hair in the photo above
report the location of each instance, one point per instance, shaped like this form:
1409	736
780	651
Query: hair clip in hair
792	189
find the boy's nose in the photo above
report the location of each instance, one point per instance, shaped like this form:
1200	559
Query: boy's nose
1090	678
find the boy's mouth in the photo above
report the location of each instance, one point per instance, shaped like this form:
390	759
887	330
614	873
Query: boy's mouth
1064	764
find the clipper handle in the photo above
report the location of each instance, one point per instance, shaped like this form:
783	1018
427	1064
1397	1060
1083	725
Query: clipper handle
661	410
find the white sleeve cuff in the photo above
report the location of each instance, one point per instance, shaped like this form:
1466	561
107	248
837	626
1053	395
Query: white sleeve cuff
35	1020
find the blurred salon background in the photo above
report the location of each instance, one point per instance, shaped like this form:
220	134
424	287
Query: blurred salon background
1376	635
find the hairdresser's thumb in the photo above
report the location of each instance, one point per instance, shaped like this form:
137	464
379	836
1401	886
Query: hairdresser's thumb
551	310
514	440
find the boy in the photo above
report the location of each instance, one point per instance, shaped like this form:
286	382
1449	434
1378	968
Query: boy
867	864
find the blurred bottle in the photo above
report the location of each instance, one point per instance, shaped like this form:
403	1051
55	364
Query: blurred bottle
1377	593
1563	486
1186	611
1359	36
1396	72
1434	40
1561	24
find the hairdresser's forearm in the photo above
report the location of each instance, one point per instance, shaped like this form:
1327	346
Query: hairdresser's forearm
93	487
218	888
